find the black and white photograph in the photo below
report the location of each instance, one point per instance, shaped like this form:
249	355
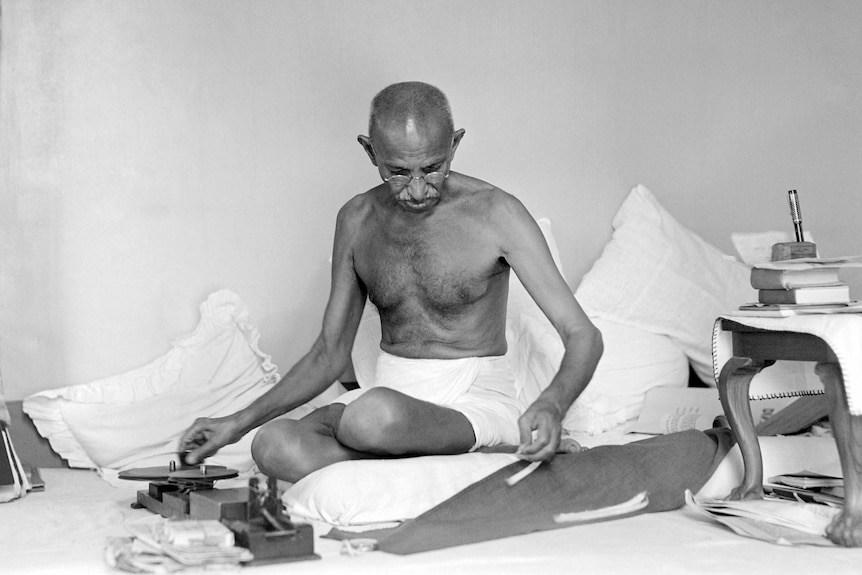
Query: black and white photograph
431	286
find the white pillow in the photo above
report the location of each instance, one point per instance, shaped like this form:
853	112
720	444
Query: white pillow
135	419
374	491
657	275
633	362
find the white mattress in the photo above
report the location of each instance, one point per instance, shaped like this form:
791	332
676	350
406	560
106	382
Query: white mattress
63	530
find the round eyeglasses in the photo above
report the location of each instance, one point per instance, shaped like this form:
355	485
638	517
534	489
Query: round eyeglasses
399	182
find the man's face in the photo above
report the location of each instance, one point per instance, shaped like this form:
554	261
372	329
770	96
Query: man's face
413	152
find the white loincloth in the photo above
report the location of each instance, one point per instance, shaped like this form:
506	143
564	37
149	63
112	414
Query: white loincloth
481	388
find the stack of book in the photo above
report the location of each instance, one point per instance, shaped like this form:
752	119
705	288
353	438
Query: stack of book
807	486
811	286
804	289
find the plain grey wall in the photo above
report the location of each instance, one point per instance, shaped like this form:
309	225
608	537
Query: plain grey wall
153	152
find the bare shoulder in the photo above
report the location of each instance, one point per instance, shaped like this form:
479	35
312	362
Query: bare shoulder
354	214
356	207
490	199
501	211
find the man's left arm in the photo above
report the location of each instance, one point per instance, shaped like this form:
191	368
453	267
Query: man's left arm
528	254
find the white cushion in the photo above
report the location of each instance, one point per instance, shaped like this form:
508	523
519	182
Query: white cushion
655	274
135	419
373	491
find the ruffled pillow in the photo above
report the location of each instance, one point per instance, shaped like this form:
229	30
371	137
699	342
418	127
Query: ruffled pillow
135	419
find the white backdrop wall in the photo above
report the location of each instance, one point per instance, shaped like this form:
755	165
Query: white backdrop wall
153	152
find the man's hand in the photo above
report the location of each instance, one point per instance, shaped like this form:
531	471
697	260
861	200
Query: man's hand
540	428
206	436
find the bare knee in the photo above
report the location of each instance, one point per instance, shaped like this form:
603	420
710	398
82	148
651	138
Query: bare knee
374	422
277	450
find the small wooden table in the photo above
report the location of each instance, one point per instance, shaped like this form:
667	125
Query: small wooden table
755	349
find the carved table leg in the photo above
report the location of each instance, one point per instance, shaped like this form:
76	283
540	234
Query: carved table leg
846	528
733	384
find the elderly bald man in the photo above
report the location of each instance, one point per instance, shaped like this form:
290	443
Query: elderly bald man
432	249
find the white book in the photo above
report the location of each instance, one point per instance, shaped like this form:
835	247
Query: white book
763	278
836	293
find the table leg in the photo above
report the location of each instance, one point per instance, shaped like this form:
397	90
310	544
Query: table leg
733	385
846	528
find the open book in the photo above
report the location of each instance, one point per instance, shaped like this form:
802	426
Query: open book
670	409
773	390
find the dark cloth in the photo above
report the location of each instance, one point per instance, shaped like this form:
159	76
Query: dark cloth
663	466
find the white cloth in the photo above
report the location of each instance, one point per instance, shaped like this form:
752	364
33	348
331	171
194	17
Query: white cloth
842	332
482	388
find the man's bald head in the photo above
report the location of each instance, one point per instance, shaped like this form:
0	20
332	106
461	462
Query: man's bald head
410	106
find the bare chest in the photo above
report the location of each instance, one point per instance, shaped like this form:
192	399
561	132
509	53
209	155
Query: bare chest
442	271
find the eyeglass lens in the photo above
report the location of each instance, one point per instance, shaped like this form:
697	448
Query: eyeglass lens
399	181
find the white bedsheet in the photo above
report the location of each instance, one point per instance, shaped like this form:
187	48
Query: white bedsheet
63	530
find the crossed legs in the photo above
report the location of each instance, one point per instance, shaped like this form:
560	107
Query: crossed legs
380	423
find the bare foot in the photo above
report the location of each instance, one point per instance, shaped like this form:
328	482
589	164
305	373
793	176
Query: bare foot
846	529
569	445
741	493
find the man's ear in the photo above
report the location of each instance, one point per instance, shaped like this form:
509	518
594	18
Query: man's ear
365	142
456	139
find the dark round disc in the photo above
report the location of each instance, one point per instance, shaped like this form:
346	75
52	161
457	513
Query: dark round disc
159	473
213	473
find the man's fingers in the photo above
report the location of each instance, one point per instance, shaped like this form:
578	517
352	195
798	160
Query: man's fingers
543	444
539	434
525	428
196	444
201	448
197	455
193	436
542	448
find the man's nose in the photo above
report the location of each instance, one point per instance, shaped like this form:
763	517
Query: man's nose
416	189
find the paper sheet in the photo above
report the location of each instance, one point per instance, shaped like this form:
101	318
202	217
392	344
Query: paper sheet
776	521
668	410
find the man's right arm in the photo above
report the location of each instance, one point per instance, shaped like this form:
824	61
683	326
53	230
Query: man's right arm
315	371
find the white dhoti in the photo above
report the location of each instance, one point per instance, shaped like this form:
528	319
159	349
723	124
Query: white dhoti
481	388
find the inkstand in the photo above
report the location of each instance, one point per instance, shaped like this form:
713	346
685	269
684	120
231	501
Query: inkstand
800	248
